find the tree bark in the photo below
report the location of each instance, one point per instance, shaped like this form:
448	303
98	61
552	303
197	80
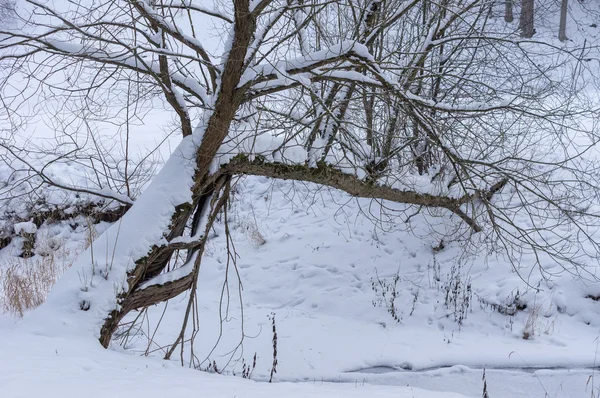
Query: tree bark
331	177
562	28
508	11
526	19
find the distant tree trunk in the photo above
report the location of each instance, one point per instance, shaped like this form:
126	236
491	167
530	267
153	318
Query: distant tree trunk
562	28
508	11
526	19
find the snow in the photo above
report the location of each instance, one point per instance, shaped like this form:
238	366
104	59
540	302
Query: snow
59	367
316	272
28	227
290	65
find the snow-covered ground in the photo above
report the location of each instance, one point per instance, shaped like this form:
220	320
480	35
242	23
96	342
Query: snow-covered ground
39	366
316	261
36	365
311	258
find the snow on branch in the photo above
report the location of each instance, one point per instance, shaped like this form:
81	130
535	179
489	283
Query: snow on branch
191	42
187	5
270	78
267	72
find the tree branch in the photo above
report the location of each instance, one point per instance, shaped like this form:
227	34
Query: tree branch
329	176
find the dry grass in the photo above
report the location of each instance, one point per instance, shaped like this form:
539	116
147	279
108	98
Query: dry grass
252	232
27	282
538	324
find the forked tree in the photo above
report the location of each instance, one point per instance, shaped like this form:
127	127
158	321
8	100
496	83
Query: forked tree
427	104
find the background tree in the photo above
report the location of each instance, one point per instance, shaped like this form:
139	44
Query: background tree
562	29
526	24
7	8
508	11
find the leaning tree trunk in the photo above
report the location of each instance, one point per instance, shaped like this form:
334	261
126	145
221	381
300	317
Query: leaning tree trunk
526	19
562	28
203	186
125	268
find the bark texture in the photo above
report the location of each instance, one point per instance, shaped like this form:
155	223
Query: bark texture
562	28
508	11
526	20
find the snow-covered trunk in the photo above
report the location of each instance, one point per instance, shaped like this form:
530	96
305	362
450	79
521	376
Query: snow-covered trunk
228	99
124	269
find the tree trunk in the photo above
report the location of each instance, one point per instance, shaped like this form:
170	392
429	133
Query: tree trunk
562	28
215	130
508	11
526	19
